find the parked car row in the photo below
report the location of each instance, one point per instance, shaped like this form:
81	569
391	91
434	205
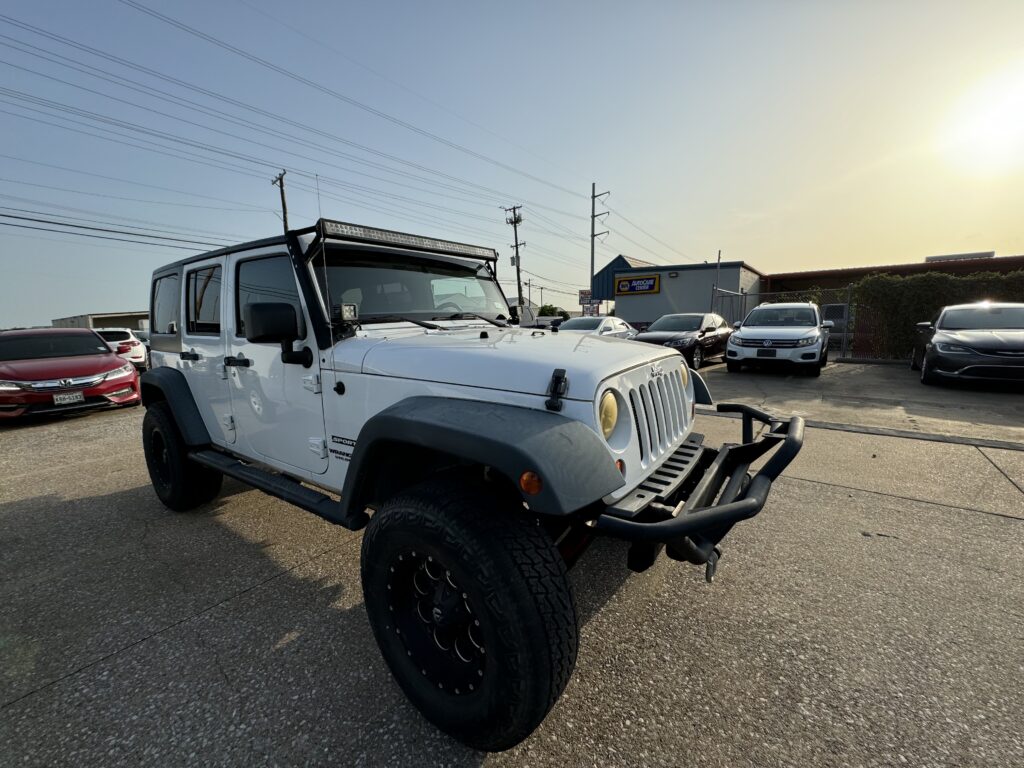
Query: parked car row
57	370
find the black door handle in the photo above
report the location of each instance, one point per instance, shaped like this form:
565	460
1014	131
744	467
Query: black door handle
189	355
238	362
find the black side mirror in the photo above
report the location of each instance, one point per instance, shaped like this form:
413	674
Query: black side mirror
276	323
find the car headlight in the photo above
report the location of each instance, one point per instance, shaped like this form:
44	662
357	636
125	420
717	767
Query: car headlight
608	413
123	372
952	349
678	342
735	340
9	386
807	341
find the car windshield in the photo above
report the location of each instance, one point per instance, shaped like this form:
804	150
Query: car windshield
425	288
781	317
677	323
983	319
41	346
115	335
580	324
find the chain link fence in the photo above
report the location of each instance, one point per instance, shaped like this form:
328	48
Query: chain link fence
850	335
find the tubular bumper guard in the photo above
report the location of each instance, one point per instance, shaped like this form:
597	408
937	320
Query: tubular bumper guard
696	511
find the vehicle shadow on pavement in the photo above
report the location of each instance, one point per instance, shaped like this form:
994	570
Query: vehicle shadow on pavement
229	635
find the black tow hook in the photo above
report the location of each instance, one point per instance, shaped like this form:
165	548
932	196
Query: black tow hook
712	565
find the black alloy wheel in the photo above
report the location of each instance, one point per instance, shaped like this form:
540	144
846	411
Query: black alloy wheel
179	483
470	604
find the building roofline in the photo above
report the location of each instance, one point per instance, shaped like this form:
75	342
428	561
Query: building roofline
936	266
684	267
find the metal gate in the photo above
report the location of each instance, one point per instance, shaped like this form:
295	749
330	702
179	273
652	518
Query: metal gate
835	305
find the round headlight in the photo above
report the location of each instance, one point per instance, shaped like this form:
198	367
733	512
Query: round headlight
608	413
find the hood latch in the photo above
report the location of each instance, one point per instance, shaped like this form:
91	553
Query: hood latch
556	389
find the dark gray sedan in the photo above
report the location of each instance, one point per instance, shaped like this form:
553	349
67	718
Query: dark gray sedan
971	341
696	336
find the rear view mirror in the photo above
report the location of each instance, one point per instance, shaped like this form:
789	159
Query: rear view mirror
276	323
270	323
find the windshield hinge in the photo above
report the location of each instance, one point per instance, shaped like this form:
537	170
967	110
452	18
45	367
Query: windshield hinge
556	389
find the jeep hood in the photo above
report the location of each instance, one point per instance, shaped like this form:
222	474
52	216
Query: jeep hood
511	360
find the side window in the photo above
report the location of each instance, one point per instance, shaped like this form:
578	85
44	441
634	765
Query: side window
265	280
166	301
202	301
722	323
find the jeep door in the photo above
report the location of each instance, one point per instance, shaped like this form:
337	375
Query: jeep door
202	345
277	406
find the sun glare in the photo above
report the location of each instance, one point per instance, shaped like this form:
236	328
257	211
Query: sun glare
985	131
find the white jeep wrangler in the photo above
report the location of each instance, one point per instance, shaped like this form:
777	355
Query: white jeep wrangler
481	458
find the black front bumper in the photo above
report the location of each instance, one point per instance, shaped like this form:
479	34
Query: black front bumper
698	494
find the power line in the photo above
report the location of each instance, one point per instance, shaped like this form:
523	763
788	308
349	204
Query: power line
653	237
97	237
342	97
103	229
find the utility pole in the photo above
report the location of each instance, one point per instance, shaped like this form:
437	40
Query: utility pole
515	219
529	291
594	216
714	288
278	181
541	287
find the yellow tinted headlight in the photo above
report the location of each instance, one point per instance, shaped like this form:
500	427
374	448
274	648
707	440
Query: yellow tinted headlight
608	413
684	371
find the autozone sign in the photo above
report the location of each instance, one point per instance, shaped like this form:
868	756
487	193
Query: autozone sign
639	284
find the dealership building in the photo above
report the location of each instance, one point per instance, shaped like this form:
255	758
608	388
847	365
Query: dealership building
643	292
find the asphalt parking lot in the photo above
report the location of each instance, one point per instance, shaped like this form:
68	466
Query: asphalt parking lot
871	615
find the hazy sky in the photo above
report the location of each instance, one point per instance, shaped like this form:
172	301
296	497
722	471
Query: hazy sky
793	135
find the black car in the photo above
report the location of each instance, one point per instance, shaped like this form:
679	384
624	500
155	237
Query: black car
696	336
971	341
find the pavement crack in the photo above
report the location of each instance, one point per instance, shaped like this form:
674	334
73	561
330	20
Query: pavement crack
1001	515
1001	470
216	659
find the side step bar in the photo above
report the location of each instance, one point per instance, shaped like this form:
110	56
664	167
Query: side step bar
282	488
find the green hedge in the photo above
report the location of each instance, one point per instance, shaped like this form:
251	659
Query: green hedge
886	307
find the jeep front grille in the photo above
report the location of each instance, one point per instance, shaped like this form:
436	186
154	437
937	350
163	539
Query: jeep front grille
659	412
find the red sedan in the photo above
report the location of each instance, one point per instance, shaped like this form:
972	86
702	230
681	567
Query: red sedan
55	370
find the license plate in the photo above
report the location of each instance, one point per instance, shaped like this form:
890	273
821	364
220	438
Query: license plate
66	398
766	353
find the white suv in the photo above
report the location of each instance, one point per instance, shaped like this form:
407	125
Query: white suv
772	333
125	338
480	458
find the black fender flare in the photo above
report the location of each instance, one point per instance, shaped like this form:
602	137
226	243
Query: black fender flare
575	466
169	384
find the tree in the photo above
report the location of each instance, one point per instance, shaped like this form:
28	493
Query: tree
547	310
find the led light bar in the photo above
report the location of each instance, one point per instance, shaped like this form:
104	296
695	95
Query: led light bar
386	236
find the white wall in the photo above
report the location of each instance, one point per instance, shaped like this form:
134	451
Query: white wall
690	291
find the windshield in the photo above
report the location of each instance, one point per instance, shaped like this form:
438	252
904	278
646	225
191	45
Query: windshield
424	288
983	318
677	323
781	317
40	346
115	335
580	324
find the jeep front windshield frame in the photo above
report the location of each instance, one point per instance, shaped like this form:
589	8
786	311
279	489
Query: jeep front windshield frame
389	284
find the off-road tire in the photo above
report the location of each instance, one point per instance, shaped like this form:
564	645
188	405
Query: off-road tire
732	367
179	483
515	582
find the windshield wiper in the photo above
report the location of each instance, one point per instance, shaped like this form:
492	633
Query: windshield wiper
399	319
464	315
